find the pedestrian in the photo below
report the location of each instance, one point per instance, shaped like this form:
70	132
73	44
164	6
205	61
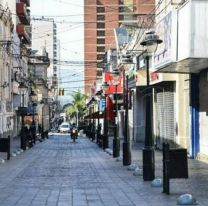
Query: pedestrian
28	136
39	128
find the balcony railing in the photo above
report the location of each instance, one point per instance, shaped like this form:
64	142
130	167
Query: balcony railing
27	2
23	13
23	34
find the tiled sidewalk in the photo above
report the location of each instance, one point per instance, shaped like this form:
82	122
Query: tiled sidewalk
58	172
196	184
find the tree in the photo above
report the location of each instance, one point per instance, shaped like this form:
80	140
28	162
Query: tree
77	106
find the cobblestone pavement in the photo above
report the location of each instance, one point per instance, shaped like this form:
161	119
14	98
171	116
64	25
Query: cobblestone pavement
58	172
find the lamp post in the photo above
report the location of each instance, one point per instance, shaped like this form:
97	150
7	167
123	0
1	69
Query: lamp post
150	42
116	140
126	143
42	132
92	125
33	97
93	118
98	94
22	89
77	117
105	86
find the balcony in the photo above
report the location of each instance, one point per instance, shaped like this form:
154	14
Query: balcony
23	13
23	34
27	2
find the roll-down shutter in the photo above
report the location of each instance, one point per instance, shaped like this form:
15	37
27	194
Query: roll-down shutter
165	114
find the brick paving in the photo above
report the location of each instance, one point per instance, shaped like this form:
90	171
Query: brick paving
58	172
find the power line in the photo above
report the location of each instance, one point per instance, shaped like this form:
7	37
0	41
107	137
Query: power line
78	81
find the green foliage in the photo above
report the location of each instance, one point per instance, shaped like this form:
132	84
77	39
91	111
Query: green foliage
78	104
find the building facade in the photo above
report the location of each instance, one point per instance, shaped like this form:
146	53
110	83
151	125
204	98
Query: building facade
178	76
191	58
15	41
45	36
38	66
101	18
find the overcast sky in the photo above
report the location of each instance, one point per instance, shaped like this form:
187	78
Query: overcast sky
68	14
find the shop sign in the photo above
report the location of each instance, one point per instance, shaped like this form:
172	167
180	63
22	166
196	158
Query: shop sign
165	52
154	76
112	89
102	105
141	78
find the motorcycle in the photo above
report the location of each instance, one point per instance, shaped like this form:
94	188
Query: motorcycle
74	134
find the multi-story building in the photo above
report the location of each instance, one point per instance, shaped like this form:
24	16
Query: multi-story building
178	76
38	65
101	18
14	34
44	33
182	26
20	51
6	29
45	37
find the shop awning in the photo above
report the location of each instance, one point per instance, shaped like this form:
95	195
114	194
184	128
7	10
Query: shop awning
95	115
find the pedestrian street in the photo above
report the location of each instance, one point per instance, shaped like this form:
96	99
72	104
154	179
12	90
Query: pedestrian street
58	172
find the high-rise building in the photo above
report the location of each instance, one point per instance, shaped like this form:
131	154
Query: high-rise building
101	17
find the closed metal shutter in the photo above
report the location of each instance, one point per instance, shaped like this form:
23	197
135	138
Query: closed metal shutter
165	114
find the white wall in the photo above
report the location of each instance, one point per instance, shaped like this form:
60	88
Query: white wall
192	30
203	116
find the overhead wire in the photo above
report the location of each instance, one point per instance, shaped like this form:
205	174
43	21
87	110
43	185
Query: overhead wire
83	80
94	62
144	24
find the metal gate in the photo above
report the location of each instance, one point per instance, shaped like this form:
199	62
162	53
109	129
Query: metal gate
165	114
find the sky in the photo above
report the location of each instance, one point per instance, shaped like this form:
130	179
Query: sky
69	16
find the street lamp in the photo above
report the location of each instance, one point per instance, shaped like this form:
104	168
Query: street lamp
33	97
43	101
93	117
77	117
116	140
126	143
105	86
98	95
22	90
150	42
126	59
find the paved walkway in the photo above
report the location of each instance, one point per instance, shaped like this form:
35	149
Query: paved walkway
58	172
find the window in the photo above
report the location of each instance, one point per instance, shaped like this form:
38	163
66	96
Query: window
124	9
121	17
100	41
100	57
100	9
121	9
100	65
100	33
99	73
100	49
100	17
100	25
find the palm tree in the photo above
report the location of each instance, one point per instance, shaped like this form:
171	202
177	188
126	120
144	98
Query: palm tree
78	105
